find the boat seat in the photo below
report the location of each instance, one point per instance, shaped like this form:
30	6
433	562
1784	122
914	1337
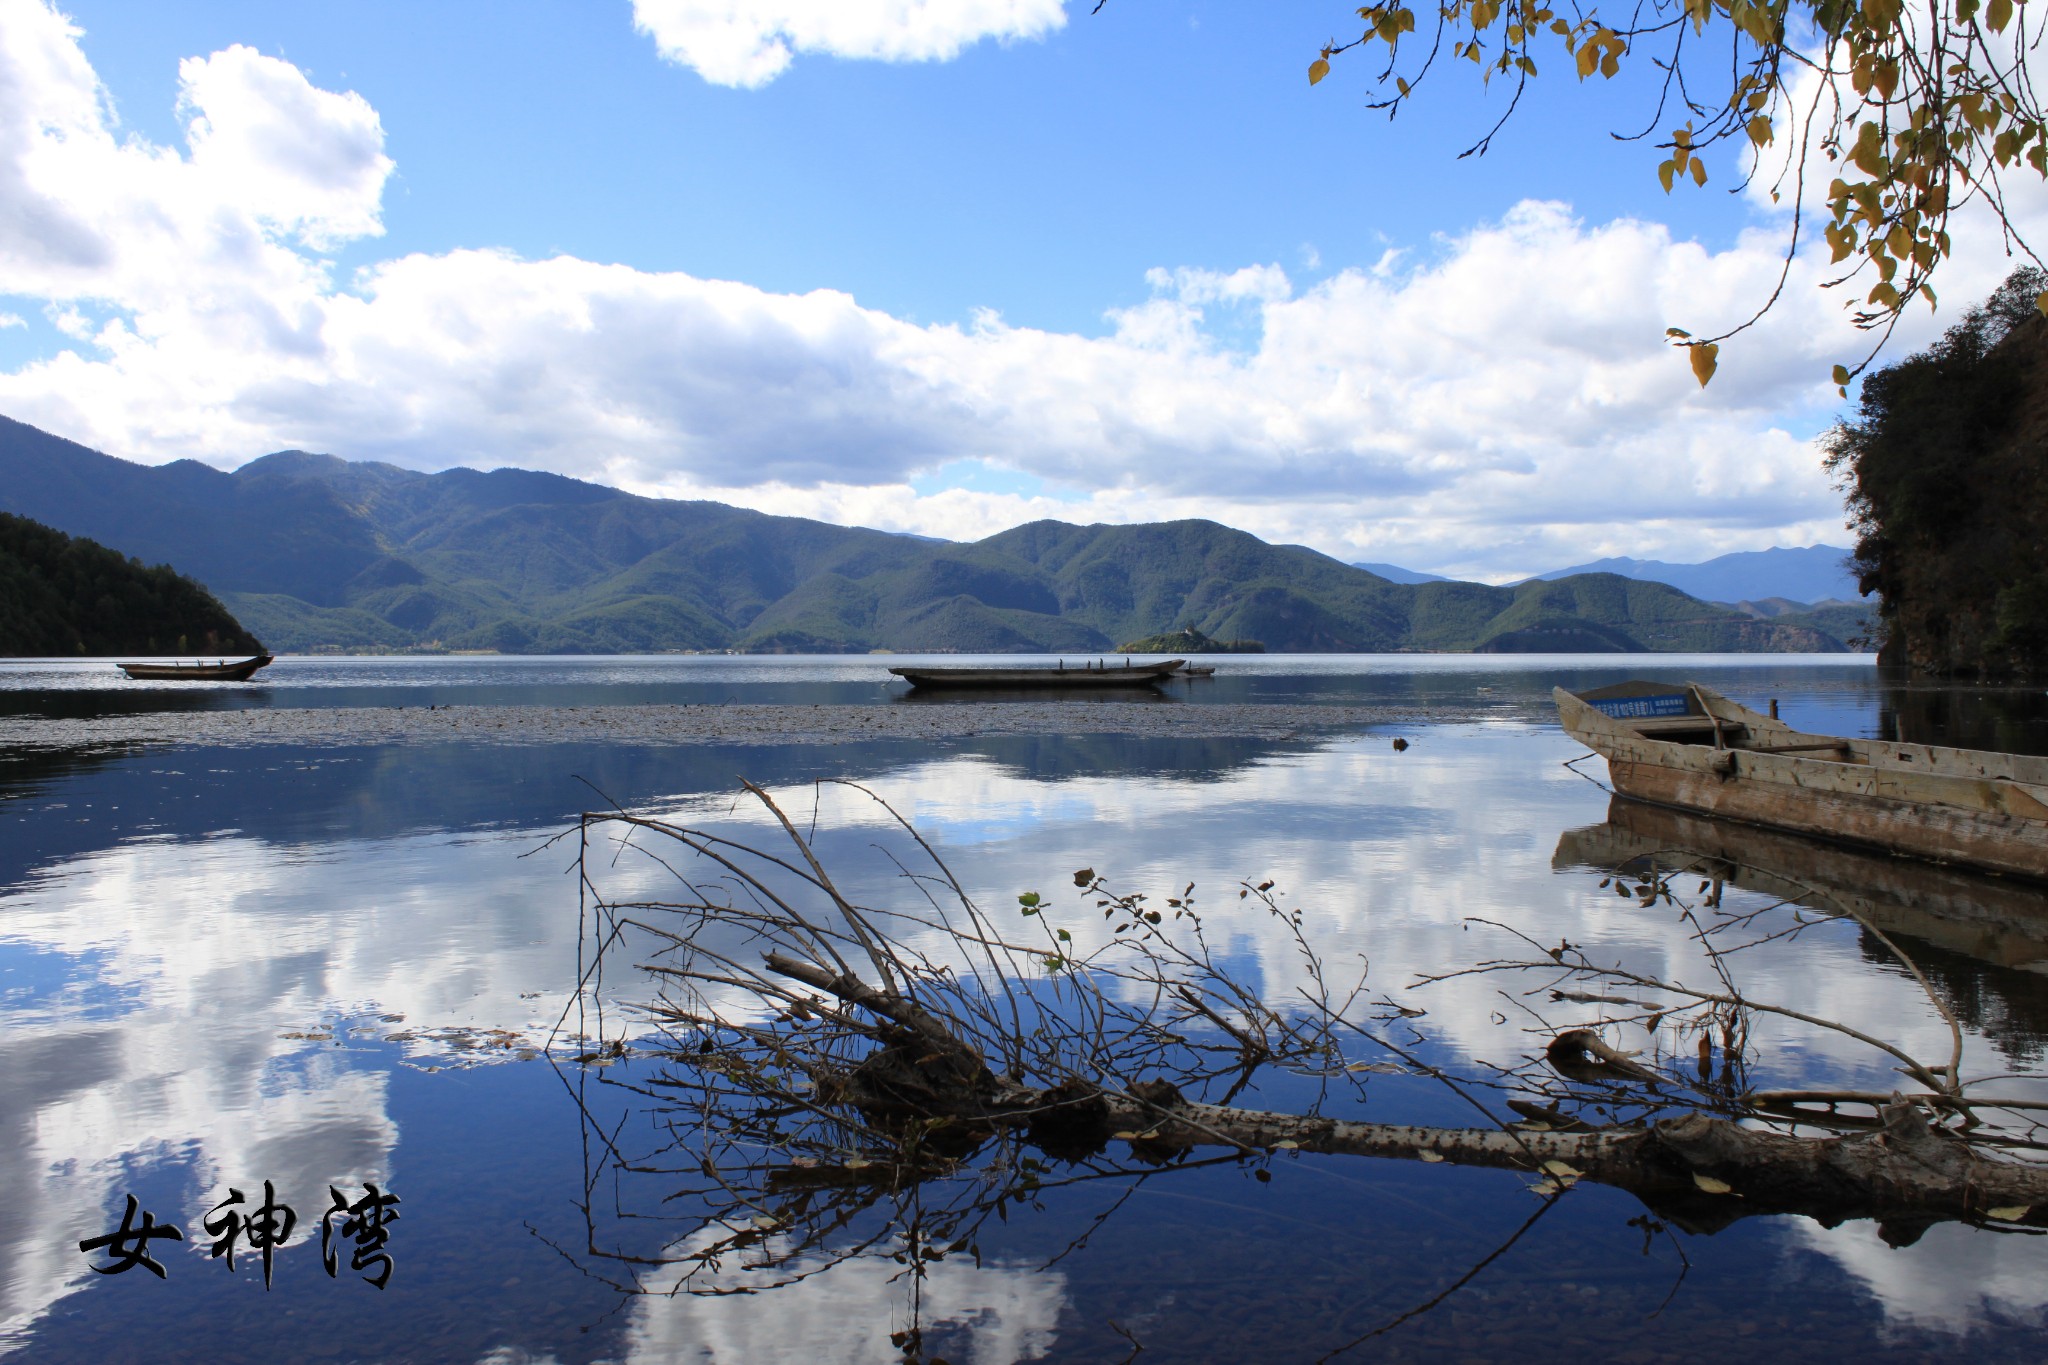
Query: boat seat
1677	728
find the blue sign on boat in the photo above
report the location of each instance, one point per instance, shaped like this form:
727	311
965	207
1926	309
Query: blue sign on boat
1639	708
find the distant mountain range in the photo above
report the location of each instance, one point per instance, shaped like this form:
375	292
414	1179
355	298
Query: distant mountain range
311	551
1813	574
1394	573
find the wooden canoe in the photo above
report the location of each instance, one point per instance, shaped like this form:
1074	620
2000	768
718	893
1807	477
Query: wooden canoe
1059	678
227	670
1684	746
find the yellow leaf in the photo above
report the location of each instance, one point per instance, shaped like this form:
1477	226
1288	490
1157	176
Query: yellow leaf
1998	14
1699	171
2041	304
1402	84
1563	1170
1705	356
1711	1185
2012	1213
1124	1136
1759	130
1841	375
1665	171
1431	1157
1317	69
1287	1144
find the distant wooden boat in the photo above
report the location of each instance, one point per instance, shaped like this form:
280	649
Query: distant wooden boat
227	670
1198	670
1683	746
1085	677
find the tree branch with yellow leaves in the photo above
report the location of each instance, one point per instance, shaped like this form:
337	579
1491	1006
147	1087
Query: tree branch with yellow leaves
1915	113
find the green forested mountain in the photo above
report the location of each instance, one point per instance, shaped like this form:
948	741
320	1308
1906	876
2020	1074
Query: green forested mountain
62	595
314	551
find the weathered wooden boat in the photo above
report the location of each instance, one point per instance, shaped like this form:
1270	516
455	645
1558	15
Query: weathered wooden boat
1198	670
1088	676
227	670
1684	746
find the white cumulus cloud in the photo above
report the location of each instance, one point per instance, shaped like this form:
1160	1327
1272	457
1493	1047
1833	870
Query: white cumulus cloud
302	160
750	42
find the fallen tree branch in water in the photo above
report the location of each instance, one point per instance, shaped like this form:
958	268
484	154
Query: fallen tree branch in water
1699	1171
803	1089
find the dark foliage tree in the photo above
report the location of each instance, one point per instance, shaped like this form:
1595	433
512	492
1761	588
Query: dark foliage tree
1946	473
62	595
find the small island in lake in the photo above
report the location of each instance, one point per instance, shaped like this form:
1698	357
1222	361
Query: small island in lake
1190	641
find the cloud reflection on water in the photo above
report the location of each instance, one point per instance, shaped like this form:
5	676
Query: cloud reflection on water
177	965
845	1312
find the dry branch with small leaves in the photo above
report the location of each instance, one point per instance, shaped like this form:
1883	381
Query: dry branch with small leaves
823	1057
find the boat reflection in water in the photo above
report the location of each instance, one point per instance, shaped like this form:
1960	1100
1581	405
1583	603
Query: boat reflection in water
1964	922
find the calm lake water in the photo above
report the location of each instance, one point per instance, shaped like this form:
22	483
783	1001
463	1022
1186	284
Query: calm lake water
331	968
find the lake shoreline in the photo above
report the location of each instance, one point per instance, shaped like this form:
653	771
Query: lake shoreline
726	723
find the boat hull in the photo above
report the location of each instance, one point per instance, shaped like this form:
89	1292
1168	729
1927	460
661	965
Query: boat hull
1981	810
1039	679
2004	843
237	670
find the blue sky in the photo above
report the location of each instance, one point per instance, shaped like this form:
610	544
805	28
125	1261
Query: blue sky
1115	267
1039	178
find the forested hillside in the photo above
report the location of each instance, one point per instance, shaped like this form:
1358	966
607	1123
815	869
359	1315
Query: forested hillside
64	595
314	551
1946	466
